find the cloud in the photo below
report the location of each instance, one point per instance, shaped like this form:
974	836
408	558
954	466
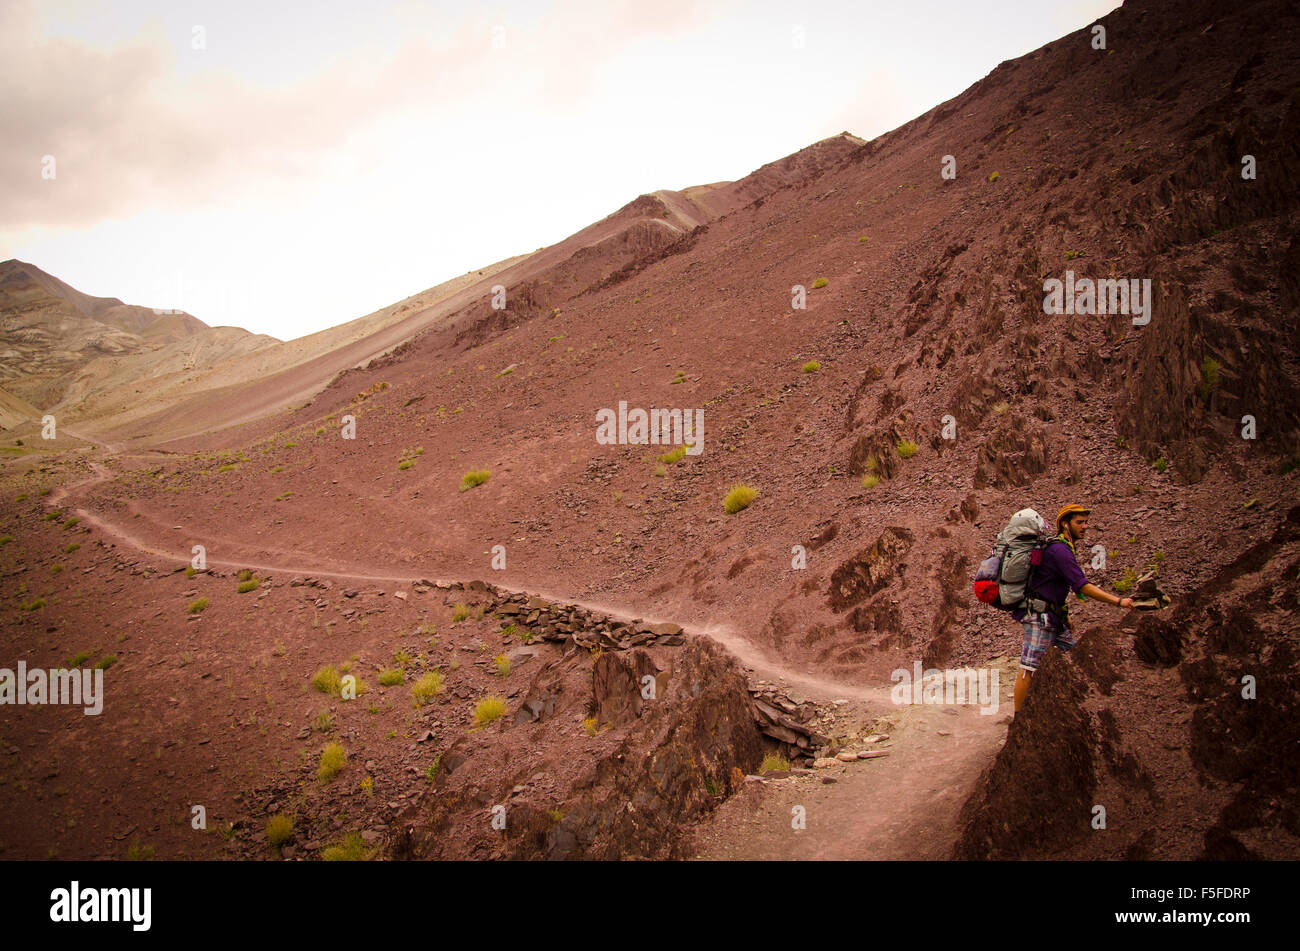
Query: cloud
130	131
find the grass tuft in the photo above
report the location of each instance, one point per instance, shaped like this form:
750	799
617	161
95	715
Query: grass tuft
427	687
474	477
351	849
1126	581
332	760
739	496
279	830
327	680
489	710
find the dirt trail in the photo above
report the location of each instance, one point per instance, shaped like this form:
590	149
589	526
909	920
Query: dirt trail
900	806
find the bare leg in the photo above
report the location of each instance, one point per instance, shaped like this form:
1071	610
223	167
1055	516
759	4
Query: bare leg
1022	686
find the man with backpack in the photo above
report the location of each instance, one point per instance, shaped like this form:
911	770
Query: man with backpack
1032	575
1053	579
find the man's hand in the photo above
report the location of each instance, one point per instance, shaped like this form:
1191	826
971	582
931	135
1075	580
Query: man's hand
1126	602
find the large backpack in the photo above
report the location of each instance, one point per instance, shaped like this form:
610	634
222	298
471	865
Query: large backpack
1004	579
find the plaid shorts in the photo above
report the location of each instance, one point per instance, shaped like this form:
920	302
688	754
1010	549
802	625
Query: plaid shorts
1039	637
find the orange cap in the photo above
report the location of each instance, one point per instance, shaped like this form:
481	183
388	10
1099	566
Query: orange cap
1067	511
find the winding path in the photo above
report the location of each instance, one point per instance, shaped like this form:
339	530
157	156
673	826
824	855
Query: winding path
902	806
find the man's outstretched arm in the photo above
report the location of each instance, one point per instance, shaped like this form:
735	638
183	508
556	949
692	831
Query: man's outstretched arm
1092	591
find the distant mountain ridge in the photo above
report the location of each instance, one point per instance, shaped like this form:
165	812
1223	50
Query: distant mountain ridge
50	332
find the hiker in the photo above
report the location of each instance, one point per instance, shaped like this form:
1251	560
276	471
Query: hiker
1053	580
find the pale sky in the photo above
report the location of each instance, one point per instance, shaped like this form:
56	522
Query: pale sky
286	167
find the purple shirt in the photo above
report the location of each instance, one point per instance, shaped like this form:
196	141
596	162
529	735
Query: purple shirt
1054	579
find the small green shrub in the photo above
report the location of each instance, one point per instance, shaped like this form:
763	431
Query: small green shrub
250	585
405	464
502	663
739	496
327	680
671	458
351	849
1209	377
279	830
427	687
1161	464
906	448
812	366
459	613
489	710
474	477
198	606
774	762
105	662
34	605
391	678
993	177
1126	581
332	760
870	480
